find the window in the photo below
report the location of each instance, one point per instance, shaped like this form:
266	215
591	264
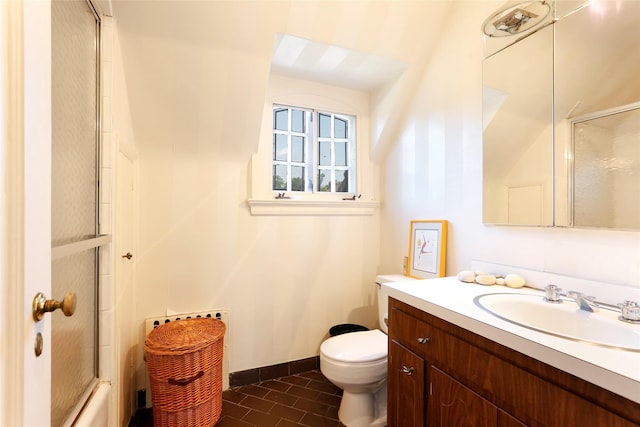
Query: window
313	151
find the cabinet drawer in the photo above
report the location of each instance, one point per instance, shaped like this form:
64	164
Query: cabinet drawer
416	335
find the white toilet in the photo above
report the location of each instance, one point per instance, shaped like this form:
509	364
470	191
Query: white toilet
357	363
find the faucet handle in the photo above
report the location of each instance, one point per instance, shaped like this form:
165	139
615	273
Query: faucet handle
630	312
552	294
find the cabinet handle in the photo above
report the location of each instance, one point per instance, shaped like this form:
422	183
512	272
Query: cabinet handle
407	371
423	340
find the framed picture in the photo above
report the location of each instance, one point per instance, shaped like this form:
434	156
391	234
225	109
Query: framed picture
427	249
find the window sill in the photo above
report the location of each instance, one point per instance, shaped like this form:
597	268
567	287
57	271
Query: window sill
310	207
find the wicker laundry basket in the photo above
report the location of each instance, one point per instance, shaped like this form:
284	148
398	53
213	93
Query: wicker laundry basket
184	362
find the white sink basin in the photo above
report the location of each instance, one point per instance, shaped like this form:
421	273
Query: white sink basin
565	320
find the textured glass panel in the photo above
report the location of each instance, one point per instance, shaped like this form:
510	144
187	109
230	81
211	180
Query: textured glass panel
297	178
74	112
297	121
607	171
324	180
73	338
342	181
280	147
340	130
281	119
341	153
324	126
280	177
324	153
297	149
73	200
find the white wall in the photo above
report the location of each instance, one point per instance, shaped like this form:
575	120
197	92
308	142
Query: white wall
197	76
434	171
285	279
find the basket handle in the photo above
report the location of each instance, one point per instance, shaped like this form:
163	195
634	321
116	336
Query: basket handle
186	381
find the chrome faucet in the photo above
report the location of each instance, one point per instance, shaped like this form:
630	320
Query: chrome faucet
585	303
552	293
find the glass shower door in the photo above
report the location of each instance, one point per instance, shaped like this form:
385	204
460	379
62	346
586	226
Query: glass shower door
74	200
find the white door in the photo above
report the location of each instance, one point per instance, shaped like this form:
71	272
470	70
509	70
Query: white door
25	212
31	176
126	332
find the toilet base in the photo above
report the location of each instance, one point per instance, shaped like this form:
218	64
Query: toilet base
364	409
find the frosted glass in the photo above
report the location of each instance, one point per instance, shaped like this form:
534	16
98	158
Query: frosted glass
606	188
74	195
74	71
73	340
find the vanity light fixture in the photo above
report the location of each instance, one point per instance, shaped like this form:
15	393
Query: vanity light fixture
516	19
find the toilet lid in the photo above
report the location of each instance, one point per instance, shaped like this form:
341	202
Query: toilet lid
366	346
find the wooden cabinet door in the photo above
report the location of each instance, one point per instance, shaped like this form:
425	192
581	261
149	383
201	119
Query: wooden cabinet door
406	380
451	404
506	420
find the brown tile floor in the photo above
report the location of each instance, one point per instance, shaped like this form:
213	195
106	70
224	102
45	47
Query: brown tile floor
306	399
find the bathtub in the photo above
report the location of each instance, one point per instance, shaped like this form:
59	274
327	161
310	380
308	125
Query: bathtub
96	413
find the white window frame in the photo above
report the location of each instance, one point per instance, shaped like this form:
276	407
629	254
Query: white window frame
307	146
289	91
350	157
311	157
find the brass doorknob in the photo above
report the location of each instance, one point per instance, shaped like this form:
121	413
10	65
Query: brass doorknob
42	305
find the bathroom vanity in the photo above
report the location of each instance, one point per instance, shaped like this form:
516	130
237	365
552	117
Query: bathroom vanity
451	363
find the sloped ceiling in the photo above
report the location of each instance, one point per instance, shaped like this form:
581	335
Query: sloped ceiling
194	67
333	65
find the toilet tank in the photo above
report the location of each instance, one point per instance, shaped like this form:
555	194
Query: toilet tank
383	297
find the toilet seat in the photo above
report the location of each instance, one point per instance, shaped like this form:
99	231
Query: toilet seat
356	347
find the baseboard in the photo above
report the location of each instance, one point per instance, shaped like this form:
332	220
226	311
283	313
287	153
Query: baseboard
256	375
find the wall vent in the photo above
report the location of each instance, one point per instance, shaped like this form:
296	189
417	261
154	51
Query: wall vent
224	315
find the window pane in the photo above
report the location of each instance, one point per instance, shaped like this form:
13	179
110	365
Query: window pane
280	177
324	126
297	178
341	153
297	149
281	119
297	121
342	181
324	153
324	180
340	130
280	147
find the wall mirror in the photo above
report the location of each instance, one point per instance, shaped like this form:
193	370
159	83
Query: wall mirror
597	134
590	129
517	137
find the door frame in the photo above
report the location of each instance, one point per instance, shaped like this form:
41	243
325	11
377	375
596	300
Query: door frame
25	249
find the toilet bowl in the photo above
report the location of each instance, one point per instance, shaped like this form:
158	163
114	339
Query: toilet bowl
356	362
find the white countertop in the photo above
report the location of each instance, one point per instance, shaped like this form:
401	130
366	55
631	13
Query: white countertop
451	300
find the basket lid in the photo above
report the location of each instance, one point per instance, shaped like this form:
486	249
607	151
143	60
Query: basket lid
183	336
